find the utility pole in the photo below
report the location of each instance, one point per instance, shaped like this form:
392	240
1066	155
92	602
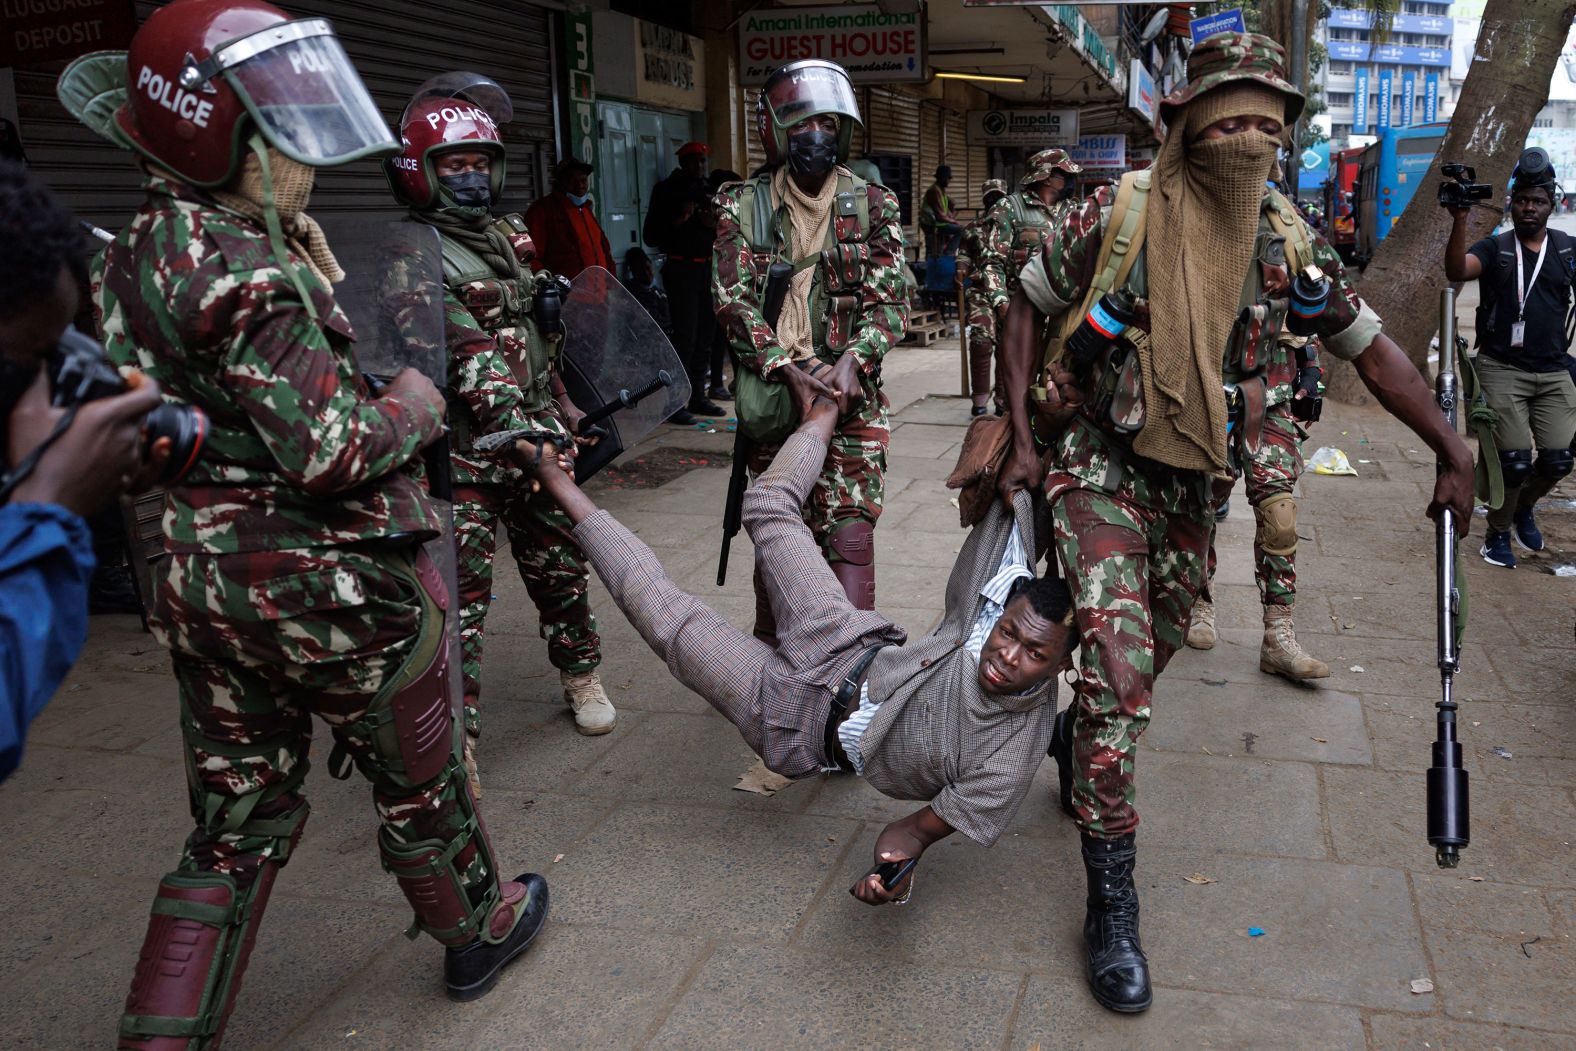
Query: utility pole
1299	80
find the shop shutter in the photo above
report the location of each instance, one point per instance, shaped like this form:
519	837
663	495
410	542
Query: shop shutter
754	152
892	121
930	155
395	44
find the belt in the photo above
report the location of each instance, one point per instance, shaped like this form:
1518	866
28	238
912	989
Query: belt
847	693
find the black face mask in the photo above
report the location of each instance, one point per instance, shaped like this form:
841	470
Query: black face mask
812	152
471	190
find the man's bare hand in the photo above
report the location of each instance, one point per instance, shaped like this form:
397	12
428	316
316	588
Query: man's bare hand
845	380
414	385
1454	488
540	473
804	387
896	843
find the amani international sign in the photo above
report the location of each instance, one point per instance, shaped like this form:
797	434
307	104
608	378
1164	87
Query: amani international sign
1036	128
875	48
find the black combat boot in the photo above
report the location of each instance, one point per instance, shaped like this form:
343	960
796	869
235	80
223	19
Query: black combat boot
1061	750
1116	968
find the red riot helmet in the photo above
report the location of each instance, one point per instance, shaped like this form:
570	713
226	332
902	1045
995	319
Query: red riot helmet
452	111
800	90
202	74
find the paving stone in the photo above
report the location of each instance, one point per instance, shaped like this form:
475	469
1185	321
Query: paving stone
1210	716
1506	977
1059	1013
755	997
109	711
1542	745
947	411
1517	836
1536	676
534	747
1399	1033
1462	900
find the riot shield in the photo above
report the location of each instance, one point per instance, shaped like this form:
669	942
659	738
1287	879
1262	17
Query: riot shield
393	294
618	366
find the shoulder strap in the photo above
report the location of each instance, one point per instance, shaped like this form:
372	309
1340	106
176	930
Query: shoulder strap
1015	206
1123	231
461	265
761	208
1285	222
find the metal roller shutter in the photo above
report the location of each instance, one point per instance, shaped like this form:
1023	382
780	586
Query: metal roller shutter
892	121
930	154
102	184
755	153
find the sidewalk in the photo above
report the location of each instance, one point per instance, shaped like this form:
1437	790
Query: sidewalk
687	915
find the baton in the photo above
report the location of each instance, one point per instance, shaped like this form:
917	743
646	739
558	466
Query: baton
626	400
1449	818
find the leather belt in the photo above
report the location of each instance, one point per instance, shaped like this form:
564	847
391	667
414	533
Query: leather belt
846	695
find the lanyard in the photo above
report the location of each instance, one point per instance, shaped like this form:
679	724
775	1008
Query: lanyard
1521	288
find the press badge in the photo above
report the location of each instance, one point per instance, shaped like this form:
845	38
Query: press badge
1518	333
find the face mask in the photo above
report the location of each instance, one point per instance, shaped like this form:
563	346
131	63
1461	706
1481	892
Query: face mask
471	190
812	152
578	199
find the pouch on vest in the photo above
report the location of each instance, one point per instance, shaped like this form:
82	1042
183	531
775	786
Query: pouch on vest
843	267
1127	393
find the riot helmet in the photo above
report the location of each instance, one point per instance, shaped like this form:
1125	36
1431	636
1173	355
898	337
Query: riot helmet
201	73
452	111
798	91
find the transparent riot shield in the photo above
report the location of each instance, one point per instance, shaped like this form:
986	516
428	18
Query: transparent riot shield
618	366
393	295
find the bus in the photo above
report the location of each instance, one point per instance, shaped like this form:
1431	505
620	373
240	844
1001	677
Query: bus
1388	174
1339	203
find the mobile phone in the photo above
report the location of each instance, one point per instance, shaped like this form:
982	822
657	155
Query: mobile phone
892	873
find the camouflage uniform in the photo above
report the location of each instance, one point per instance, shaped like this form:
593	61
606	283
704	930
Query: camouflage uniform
1133	535
1272	471
493	387
293	585
847	501
1015	227
980	319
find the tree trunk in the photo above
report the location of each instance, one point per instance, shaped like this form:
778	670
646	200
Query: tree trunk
1508	83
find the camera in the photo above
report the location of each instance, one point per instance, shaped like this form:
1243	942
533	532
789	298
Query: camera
1457	190
1534	167
79	373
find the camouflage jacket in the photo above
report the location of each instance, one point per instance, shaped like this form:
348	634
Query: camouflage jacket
298	454
971	251
1069	257
1007	245
484	394
739	278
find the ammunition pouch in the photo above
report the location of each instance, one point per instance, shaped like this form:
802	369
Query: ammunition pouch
1245	410
843	267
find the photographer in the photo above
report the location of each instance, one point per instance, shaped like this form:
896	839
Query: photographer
59	466
1524	275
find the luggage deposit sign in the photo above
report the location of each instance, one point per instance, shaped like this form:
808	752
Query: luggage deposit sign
875	48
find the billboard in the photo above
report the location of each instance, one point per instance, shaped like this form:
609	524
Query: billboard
1035	128
875	47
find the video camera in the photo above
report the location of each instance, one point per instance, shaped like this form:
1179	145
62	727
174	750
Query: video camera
79	373
1458	190
1534	168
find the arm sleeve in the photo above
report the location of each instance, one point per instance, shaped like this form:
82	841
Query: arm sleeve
733	292
883	307
982	802
1059	275
1348	325
1488	254
46	561
479	375
323	434
995	243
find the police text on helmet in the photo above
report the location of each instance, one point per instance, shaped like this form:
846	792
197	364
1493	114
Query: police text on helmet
173	98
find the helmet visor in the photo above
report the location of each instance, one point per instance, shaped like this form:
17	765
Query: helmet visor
308	101
473	88
797	94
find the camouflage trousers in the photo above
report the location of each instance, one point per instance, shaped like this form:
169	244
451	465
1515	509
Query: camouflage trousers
261	642
1134	571
852	486
1273	470
981	326
551	564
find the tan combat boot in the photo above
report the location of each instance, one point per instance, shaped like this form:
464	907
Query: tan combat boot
594	713
1201	629
1281	653
471	775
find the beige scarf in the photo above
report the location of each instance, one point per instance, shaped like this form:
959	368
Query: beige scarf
809	221
1202	218
292	188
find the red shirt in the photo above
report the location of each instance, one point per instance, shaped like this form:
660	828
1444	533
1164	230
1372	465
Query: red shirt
568	238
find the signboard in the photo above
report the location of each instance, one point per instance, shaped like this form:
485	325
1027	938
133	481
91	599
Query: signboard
56	31
1431	98
1434	25
1229	21
669	66
1360	102
1035	128
1101	151
1382	103
1396	54
1141	91
582	87
1408	97
875	48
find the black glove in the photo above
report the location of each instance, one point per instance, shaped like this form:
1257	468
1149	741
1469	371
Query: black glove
1307	403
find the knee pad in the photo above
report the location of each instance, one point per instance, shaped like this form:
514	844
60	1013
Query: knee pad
198	943
853	542
1277	524
439	878
1554	463
1516	466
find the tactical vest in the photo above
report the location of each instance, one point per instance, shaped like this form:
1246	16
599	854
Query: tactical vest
1257	369
838	285
1031	226
504	308
1561	257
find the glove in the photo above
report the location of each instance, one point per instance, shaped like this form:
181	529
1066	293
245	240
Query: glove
1307	403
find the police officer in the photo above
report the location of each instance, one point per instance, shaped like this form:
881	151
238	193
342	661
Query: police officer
294	584
845	308
981	318
1187	285
504	334
682	223
1016	227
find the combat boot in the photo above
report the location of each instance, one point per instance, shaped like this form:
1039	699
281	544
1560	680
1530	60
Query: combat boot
1061	750
1281	653
594	713
1201	629
1114	965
